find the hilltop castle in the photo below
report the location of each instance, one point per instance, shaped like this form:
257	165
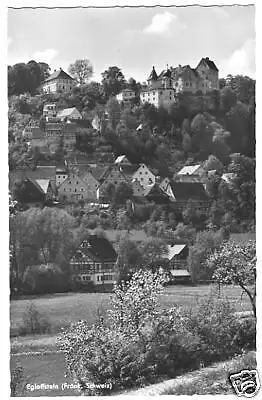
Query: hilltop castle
163	88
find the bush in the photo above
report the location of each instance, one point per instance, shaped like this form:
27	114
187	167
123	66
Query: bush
17	377
137	342
245	338
34	322
215	323
41	279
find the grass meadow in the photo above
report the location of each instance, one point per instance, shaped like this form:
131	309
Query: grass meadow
62	309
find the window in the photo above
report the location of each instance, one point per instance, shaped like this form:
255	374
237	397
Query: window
82	189
170	93
98	278
64	177
76	182
75	190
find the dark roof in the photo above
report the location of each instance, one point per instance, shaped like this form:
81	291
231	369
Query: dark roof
156	194
186	71
128	169
210	63
98	171
98	248
153	75
40	172
189	191
76	159
59	74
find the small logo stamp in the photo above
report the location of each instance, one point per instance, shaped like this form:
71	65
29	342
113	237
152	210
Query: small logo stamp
245	383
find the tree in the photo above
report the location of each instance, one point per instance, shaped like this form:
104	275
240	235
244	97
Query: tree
81	70
238	124
228	99
205	243
153	253
235	264
128	260
213	163
113	81
113	110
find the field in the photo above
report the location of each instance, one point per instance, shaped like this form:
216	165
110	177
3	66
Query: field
61	309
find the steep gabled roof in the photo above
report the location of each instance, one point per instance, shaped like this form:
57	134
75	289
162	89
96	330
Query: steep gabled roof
59	74
43	184
209	62
174	250
185	191
98	248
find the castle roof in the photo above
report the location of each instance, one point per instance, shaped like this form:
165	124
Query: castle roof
153	76
209	62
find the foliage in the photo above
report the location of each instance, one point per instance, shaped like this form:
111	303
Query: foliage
113	81
215	323
235	263
41	279
81	70
33	322
23	78
40	236
17	378
140	342
205	242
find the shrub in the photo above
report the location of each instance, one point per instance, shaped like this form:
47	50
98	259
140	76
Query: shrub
245	338
215	323
17	377
137	342
34	322
41	279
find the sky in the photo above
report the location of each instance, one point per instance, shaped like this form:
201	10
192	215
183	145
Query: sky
135	39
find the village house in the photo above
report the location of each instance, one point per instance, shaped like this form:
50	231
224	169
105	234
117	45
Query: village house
58	82
193	192
36	191
156	194
94	261
144	176
126	95
177	255
69	114
190	173
91	183
38	173
112	176
162	89
73	188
